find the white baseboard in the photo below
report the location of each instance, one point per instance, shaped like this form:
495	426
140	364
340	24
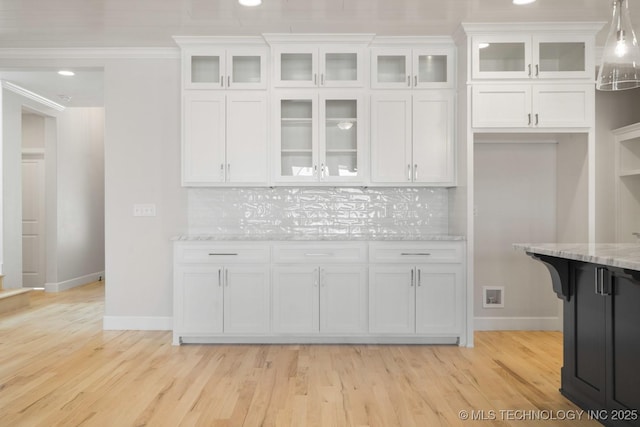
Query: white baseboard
73	283
517	323
137	323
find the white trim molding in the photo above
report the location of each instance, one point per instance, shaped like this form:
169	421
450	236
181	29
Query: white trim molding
137	323
518	323
74	283
32	96
91	53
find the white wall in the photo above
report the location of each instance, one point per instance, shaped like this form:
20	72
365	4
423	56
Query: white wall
80	197
33	131
515	199
142	103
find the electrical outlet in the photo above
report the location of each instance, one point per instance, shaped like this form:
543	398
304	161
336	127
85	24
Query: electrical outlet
148	209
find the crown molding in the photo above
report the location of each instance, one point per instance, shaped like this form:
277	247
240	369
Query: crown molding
91	53
32	96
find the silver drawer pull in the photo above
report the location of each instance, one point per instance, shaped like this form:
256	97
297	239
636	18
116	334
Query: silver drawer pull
318	254
222	254
415	254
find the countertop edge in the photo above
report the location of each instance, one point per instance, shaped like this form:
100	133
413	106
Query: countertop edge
316	238
621	255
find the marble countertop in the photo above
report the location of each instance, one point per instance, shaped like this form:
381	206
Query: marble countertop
318	237
623	255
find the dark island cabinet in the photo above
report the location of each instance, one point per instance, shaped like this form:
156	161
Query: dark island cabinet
601	371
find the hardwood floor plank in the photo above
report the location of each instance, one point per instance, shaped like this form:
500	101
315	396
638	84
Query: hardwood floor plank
59	368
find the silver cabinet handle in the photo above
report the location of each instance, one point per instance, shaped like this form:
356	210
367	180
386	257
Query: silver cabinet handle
315	170
221	81
537	119
219	277
529	115
412	274
415	172
322	171
415	81
409	173
228	81
222	171
415	254
321	79
529	69
226	277
409	81
537	70
419	277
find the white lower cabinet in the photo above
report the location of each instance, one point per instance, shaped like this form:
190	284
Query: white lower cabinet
361	292
319	299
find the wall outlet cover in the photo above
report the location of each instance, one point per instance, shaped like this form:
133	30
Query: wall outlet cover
493	296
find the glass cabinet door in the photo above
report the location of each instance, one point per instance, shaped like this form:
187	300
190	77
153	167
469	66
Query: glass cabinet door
391	68
247	69
204	69
341	67
296	67
340	133
502	57
562	57
297	138
432	69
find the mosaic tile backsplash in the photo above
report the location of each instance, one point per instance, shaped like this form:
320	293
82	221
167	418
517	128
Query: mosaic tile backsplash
318	211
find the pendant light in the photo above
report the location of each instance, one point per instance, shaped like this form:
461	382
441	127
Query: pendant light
620	67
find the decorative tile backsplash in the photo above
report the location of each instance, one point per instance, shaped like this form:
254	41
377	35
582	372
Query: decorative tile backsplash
318	211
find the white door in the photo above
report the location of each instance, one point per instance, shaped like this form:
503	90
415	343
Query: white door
438	299
33	222
433	120
200	299
295	299
247	138
343	299
392	299
204	136
246	299
391	137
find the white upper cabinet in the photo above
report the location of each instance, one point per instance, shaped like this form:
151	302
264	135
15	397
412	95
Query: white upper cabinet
532	51
533	106
220	68
412	138
318	136
306	67
225	138
411	68
319	60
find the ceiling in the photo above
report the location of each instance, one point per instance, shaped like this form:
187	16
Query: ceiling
152	23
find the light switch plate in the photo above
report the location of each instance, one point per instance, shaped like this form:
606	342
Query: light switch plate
147	209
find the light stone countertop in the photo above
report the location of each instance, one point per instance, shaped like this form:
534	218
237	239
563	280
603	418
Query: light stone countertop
318	237
623	255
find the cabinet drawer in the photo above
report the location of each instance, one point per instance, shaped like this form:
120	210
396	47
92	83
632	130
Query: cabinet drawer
222	252
333	252
408	252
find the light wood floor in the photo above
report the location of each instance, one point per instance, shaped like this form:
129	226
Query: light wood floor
59	368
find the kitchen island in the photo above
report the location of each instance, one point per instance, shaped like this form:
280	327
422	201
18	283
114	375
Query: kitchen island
600	288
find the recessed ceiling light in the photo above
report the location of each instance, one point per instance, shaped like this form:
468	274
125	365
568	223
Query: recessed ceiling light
66	73
250	3
519	2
